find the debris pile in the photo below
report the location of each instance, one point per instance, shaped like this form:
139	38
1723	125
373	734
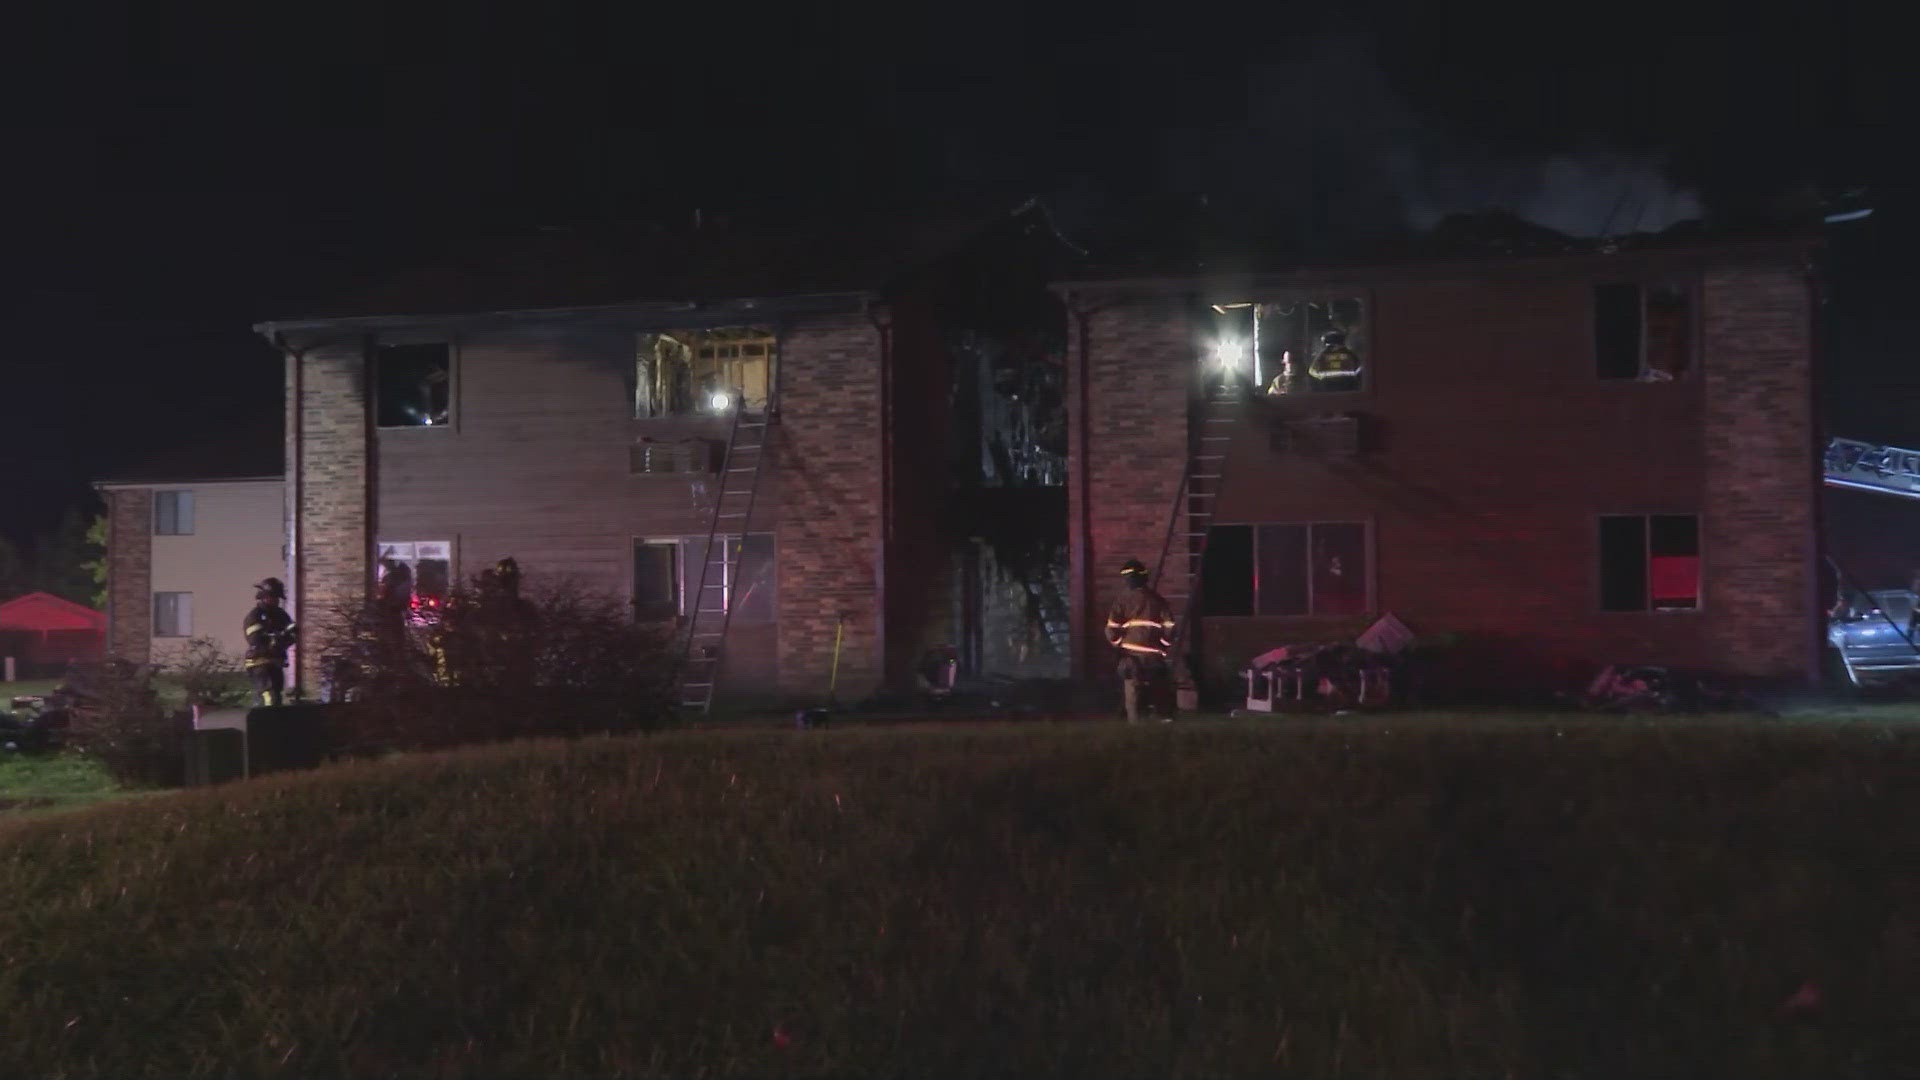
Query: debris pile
1337	674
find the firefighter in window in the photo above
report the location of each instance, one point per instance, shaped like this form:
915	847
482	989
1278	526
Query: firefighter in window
1335	366
1283	381
269	634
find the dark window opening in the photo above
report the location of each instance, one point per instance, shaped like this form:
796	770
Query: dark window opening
666	574
413	385
1277	570
173	513
656	579
703	372
1650	562
1226	574
1642	332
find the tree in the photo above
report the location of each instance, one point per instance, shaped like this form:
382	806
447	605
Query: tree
64	560
96	566
15	575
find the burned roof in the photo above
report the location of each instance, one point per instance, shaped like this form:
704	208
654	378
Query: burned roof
1197	244
713	260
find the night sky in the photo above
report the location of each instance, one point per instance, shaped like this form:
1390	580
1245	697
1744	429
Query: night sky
177	177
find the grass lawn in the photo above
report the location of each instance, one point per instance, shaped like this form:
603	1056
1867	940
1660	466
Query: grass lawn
25	688
1330	899
31	784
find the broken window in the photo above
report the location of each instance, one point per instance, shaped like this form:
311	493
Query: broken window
1294	346
173	513
667	571
1311	569
702	372
413	385
1650	562
1642	332
421	571
656	579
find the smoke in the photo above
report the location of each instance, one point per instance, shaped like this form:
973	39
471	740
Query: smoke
1323	134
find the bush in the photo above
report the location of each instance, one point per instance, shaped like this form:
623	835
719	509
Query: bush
118	719
490	665
209	677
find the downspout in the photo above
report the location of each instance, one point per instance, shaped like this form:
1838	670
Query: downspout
883	325
1817	549
296	430
1079	523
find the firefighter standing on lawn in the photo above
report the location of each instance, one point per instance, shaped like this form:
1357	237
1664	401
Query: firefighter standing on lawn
1140	625
269	634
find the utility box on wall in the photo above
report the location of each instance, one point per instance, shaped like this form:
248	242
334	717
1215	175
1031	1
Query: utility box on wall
1333	436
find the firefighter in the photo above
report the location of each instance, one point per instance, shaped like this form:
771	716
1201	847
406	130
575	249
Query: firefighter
1140	626
269	633
1335	366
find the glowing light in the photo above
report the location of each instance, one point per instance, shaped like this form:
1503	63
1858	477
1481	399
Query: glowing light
1228	353
720	401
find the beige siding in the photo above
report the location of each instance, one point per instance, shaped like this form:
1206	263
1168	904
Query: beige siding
535	465
237	540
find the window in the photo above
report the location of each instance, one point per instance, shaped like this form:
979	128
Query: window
172	614
1314	569
702	372
413	385
421	570
1307	346
666	572
1650	562
173	513
1642	332
656	579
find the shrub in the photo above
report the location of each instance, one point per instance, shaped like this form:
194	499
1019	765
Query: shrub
209	677
117	718
561	660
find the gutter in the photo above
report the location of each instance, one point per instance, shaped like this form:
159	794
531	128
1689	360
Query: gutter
679	313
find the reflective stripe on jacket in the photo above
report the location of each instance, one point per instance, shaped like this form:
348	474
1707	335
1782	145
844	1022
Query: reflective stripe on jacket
1141	621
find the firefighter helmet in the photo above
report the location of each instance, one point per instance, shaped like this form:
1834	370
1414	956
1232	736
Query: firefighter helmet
1133	566
272	588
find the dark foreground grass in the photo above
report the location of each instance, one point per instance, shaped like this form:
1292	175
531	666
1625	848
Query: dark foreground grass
1595	901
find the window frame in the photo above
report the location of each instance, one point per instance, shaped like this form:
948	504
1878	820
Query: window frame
695	338
175	497
1368	547
684	584
412	561
453	382
1599	587
1296	295
1689	286
175	633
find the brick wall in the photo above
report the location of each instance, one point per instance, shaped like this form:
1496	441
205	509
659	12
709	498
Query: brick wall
1760	532
827	457
1128	383
130	574
327	451
1493	451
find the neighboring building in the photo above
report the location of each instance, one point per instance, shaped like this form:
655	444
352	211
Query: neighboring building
570	405
1566	459
182	556
41	634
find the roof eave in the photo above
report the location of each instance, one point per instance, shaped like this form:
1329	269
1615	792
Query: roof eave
625	315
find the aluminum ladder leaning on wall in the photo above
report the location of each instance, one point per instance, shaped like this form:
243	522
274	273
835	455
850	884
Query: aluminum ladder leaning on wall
711	603
1195	504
